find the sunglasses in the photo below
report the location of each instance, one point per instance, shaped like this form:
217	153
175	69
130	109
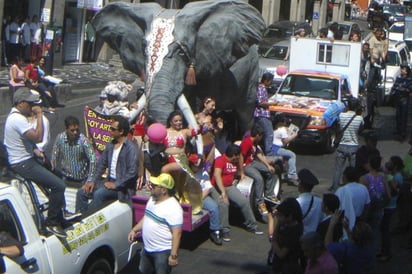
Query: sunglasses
113	128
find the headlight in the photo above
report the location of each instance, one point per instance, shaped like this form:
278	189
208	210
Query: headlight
317	121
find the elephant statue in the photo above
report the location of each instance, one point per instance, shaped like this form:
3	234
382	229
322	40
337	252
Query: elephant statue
208	48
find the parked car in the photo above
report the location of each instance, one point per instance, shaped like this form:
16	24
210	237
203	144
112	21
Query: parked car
396	31
271	59
346	27
384	15
281	30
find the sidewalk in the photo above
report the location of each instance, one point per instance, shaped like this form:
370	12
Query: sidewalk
83	77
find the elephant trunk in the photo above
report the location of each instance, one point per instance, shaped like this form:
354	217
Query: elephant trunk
167	86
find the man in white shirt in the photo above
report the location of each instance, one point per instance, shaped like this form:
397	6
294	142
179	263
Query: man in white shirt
12	33
19	139
36	39
310	204
161	227
354	197
26	39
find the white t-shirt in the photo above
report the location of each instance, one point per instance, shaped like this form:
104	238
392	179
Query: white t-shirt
315	215
35	29
113	164
279	134
359	194
42	146
158	219
18	148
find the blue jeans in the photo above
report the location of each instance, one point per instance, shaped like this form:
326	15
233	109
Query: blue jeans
291	161
99	197
210	205
33	171
262	179
267	126
343	153
154	262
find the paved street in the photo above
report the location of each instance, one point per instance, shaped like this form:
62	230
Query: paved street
246	253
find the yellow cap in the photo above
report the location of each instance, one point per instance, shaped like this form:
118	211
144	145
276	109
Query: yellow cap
164	180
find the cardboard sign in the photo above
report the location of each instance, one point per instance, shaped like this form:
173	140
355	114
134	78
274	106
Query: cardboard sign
97	129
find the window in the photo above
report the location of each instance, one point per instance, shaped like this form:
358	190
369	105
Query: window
333	54
9	222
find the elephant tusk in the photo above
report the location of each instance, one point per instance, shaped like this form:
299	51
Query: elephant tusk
140	106
191	120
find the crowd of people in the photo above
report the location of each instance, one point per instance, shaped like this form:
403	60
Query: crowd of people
22	37
344	231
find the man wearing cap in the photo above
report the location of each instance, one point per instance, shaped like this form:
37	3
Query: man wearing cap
161	227
120	159
310	204
19	139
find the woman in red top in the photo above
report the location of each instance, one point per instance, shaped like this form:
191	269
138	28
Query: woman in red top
48	96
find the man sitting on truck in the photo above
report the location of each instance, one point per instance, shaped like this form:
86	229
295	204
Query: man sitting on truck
120	158
258	168
19	138
161	227
226	167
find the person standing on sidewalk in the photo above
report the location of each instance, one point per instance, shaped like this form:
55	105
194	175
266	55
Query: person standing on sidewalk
161	227
349	144
401	90
262	113
19	139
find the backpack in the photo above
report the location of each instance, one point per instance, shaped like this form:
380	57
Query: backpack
377	191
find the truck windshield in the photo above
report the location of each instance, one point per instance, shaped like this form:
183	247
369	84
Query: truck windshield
310	86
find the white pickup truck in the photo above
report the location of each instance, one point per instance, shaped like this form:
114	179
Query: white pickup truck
96	244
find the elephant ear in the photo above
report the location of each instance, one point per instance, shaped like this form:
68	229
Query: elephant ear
219	33
122	26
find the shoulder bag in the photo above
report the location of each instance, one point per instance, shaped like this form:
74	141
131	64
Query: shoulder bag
339	134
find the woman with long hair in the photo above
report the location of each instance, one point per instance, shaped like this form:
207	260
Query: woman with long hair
285	230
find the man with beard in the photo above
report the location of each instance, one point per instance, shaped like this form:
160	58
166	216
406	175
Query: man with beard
161	227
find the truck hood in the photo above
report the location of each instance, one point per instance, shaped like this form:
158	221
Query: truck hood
296	104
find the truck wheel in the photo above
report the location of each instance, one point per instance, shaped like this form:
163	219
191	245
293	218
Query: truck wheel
330	138
99	266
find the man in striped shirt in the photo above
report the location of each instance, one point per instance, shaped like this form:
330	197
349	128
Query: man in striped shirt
348	146
73	156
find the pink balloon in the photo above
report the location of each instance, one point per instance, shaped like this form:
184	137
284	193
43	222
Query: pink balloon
156	132
281	70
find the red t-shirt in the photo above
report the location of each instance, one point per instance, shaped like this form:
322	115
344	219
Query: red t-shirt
33	72
248	150
229	170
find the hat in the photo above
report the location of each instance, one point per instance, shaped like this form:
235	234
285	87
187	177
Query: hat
194	159
27	95
306	177
164	180
103	94
299	31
